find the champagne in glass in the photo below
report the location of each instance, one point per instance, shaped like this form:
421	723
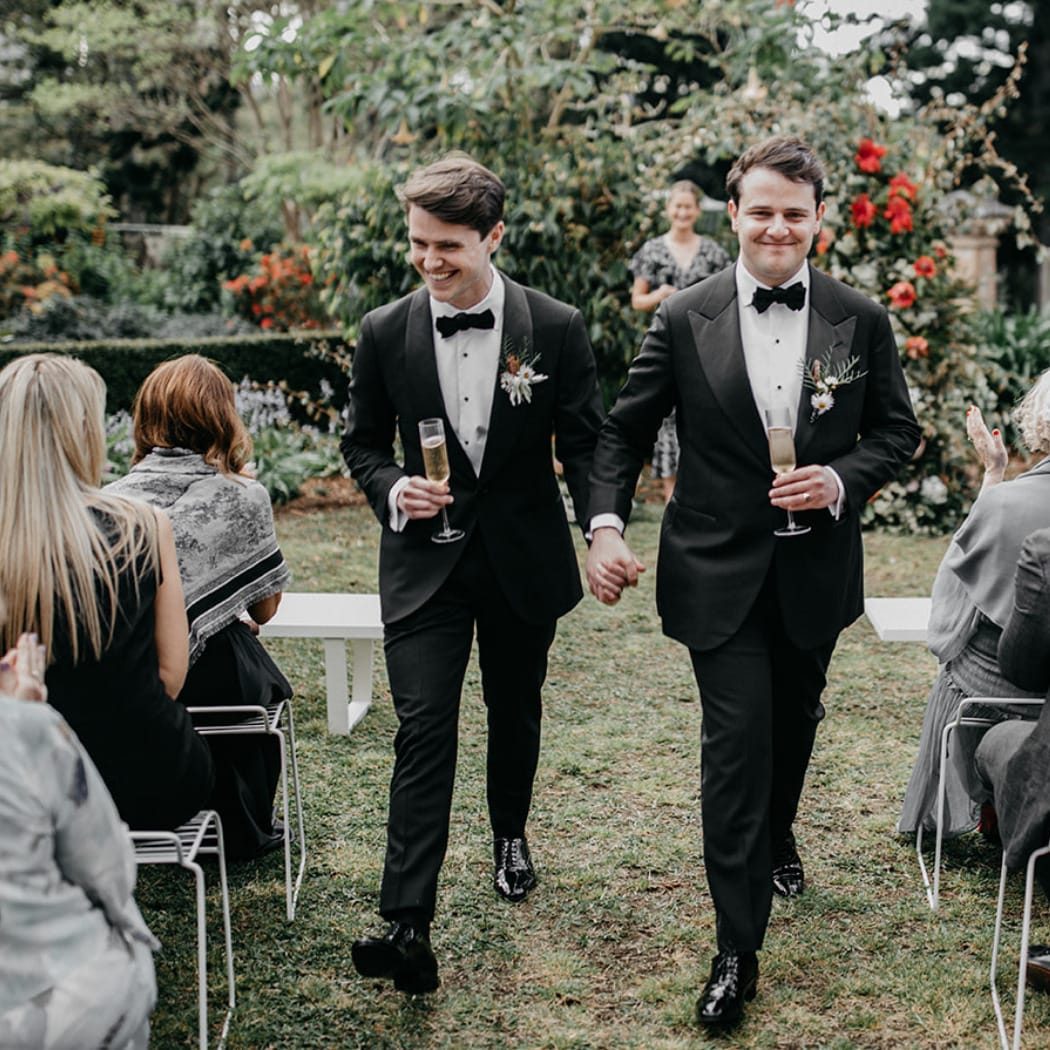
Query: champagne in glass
782	458
435	464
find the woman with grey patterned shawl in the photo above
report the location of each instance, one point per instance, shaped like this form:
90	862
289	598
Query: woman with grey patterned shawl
191	455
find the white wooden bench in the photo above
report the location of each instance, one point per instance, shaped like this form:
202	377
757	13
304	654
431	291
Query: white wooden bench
899	619
335	619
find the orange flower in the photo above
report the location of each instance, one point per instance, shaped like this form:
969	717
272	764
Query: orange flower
915	347
824	239
246	244
863	211
869	156
898	211
925	266
902	186
266	322
902	295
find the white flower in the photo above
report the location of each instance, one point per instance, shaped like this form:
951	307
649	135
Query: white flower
821	403
933	489
519	375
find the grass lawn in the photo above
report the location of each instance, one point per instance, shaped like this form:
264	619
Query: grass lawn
612	948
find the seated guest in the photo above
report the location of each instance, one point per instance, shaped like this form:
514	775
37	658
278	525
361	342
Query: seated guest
972	597
76	963
94	575
191	453
1012	761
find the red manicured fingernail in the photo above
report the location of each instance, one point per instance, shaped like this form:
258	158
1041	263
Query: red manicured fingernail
996	432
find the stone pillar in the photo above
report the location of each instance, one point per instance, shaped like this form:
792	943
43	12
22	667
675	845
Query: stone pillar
976	265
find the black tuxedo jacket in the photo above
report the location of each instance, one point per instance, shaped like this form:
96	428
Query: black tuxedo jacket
717	541
515	503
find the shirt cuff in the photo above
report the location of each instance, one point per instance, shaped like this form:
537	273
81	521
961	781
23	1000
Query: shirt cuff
397	517
839	505
601	521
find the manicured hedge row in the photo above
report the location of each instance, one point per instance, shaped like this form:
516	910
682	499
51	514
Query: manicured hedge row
124	363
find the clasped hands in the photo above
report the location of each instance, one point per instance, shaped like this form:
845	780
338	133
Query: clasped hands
22	670
612	565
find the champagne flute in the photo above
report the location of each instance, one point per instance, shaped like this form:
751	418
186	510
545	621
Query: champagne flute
782	457
435	464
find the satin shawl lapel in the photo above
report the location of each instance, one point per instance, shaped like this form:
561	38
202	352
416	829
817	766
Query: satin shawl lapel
506	420
715	325
427	400
830	328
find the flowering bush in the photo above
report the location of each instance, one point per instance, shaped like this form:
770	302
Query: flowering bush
281	294
885	236
30	282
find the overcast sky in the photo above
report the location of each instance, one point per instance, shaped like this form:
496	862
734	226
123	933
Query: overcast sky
849	36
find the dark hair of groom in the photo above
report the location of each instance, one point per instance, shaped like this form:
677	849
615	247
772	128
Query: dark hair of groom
457	190
784	154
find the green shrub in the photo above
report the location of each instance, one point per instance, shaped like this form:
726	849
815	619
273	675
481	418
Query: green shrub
300	364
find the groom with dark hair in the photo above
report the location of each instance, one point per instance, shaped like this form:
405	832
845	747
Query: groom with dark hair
760	613
507	370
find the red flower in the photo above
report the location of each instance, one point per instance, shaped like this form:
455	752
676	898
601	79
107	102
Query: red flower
824	239
266	322
915	347
869	156
925	266
898	211
902	186
246	244
940	251
902	295
863	210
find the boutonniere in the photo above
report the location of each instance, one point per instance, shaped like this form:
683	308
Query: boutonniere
517	371
824	378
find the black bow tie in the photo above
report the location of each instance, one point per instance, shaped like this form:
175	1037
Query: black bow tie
794	298
461	322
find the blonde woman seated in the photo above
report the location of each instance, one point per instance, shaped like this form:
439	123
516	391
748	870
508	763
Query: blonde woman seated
972	598
94	575
76	958
191	453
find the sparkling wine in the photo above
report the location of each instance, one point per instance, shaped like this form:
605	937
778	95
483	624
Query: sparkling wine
781	449
435	458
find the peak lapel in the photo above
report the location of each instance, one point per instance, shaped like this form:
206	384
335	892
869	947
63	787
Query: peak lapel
506	420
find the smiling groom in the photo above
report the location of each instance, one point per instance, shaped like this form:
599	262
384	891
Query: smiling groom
759	613
507	369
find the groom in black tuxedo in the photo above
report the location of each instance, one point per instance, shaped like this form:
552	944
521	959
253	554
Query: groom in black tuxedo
508	370
759	613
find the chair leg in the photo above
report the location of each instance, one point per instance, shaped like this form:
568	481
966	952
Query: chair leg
300	823
202	954
231	996
1000	1021
934	896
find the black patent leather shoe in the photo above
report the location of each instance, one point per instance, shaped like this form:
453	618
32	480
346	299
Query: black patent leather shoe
402	954
789	880
514	874
733	980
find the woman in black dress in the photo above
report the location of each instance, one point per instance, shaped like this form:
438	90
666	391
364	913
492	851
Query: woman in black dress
95	576
191	455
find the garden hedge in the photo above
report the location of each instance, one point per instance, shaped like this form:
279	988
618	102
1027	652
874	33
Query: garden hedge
303	361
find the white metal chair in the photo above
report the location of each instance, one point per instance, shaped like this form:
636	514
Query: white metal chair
962	718
201	835
240	720
1026	920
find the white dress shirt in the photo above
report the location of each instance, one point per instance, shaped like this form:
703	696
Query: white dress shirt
467	363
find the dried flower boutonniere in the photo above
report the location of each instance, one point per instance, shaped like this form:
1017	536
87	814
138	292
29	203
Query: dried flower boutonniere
824	378
517	372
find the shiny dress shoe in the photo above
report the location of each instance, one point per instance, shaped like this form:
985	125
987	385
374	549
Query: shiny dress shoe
788	877
514	874
734	979
402	954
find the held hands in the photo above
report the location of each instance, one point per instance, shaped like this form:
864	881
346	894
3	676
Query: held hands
611	566
423	499
22	670
990	447
808	488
